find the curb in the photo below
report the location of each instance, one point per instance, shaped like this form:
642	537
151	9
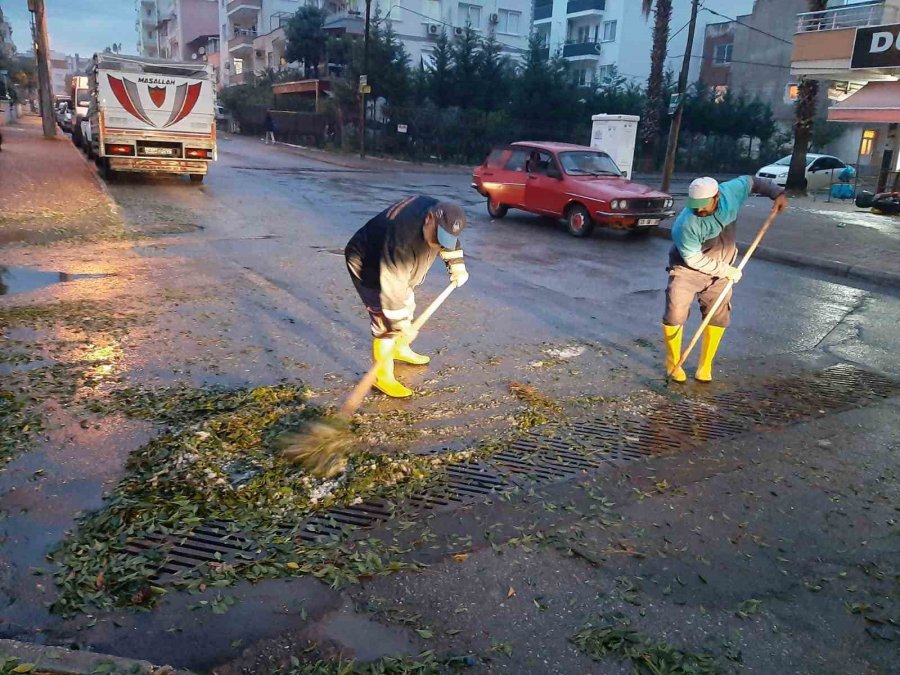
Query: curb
49	659
104	188
835	267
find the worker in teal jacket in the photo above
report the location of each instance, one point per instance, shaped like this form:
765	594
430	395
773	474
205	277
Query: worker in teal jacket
701	262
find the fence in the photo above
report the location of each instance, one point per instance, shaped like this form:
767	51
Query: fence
452	134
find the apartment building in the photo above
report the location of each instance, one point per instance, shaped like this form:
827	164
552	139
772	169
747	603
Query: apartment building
7	48
852	47
253	30
180	30
596	36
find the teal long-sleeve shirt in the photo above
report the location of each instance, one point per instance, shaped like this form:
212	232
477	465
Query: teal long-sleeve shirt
690	231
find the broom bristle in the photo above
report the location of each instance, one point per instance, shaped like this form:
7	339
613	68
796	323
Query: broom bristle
321	448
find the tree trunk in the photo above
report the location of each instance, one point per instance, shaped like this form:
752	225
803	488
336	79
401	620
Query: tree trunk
650	122
805	110
804	117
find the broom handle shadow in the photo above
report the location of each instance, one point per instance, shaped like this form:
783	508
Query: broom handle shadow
355	399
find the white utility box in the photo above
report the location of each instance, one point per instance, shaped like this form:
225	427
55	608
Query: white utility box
616	135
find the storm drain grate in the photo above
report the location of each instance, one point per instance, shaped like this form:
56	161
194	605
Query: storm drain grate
558	452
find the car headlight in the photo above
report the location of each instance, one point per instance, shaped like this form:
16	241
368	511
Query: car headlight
619	204
670	203
614	204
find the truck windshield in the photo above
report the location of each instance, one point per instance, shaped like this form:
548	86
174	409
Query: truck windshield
588	164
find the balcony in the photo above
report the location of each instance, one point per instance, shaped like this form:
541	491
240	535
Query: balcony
242	40
824	41
850	16
543	12
585	7
581	50
243	10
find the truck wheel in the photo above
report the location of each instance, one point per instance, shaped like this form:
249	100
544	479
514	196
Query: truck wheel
76	137
578	221
197	177
105	171
496	209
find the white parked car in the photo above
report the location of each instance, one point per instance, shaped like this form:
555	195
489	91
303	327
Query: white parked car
821	171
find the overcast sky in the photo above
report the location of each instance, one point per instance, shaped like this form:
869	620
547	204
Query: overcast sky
77	26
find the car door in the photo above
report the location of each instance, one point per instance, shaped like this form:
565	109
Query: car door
817	177
543	190
510	178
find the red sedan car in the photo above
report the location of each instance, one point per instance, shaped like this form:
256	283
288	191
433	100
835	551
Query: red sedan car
580	184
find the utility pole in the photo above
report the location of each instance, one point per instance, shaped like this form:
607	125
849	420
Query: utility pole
364	84
42	56
672	148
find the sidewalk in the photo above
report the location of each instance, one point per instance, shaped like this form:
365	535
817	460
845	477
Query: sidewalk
48	190
47	659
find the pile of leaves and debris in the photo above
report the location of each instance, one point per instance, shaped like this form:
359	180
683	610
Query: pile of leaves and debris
217	460
615	637
426	663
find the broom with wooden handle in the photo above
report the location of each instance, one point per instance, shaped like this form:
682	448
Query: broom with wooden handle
724	294
322	446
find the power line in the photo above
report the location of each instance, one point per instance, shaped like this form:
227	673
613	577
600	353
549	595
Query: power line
748	63
747	26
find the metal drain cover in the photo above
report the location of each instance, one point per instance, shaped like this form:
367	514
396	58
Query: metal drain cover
559	452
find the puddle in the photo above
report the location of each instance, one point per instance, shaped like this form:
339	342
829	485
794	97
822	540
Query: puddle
24	279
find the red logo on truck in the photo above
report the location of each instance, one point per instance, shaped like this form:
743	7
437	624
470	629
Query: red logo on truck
126	93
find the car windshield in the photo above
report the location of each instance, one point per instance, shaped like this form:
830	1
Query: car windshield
784	161
588	164
83	96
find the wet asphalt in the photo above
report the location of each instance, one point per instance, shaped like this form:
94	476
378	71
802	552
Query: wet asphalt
260	241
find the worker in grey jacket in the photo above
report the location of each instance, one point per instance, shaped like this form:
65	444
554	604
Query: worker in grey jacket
701	262
387	259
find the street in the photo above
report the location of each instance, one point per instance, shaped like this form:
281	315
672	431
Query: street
770	549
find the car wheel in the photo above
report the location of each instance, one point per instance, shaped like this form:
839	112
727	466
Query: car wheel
578	221
496	209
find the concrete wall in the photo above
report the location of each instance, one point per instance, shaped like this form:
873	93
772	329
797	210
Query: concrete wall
197	17
761	64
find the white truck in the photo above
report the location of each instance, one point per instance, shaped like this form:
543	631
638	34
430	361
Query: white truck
150	115
81	99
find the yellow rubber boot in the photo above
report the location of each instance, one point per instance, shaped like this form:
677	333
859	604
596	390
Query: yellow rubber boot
672	339
403	352
383	351
712	336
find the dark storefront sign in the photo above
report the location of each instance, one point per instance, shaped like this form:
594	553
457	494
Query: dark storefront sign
877	47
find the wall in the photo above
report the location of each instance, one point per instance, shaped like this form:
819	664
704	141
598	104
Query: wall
714	74
761	64
197	17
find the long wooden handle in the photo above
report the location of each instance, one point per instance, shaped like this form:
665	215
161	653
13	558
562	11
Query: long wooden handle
724	294
355	399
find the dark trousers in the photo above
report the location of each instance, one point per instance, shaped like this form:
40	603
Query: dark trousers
686	284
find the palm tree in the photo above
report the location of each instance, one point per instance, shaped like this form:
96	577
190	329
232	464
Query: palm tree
804	118
650	126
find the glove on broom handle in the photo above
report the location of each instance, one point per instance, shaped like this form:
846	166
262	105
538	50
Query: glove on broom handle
359	392
718	303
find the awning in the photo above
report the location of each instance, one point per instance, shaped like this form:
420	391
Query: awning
877	102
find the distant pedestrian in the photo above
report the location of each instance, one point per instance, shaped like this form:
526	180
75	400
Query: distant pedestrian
269	125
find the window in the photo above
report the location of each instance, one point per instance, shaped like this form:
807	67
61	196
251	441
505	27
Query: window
605	73
790	93
581	77
539	162
867	145
609	31
723	54
493	159
508	21
470	15
582	163
238	66
517	160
